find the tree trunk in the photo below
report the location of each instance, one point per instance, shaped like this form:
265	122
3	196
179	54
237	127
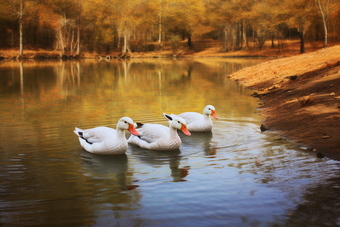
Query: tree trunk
225	39
238	36
189	41
302	46
12	42
78	29
241	35
72	38
118	41
60	37
278	41
160	22
245	36
324	21
128	43
231	37
20	22
254	36
116	34
125	40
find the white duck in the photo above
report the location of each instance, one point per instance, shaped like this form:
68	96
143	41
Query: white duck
104	140
160	137
198	122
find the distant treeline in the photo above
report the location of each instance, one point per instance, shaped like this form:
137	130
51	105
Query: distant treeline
72	26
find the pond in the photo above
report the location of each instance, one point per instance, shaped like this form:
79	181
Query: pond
234	176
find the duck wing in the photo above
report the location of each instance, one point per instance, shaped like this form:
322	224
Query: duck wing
96	135
191	117
153	132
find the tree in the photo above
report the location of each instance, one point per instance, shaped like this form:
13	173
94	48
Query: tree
324	19
66	25
78	28
160	22
18	10
186	18
297	14
105	25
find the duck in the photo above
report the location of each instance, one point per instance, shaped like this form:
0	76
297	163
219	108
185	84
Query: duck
105	140
160	137
198	122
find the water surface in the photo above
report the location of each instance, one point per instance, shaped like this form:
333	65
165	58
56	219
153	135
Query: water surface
233	176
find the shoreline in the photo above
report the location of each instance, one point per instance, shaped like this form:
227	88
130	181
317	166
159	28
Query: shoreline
301	97
109	57
210	49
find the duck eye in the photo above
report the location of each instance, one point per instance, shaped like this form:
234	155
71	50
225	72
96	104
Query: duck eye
178	122
125	122
209	108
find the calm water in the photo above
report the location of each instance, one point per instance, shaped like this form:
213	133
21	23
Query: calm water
234	176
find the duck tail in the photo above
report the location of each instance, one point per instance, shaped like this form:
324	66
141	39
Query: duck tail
78	132
169	117
139	125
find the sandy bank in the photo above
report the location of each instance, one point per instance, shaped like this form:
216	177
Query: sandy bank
302	98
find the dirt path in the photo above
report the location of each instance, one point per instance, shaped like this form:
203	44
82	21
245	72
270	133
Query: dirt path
302	98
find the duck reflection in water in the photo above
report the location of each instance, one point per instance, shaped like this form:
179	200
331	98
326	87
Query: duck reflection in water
108	167
196	143
158	158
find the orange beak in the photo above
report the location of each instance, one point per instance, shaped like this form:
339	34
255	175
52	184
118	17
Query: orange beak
213	113
133	130
185	130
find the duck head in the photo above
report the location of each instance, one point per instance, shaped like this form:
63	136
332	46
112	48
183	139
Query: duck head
178	123
126	123
210	110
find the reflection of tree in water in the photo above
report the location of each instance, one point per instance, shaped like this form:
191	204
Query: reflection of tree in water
68	76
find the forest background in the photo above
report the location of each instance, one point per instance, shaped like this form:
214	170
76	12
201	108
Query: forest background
73	27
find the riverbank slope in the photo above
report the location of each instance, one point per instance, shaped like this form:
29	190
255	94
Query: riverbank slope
301	96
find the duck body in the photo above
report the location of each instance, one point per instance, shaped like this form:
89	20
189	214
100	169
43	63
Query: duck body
105	140
160	137
197	122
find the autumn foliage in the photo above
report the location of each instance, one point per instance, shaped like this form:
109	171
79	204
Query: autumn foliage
71	26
